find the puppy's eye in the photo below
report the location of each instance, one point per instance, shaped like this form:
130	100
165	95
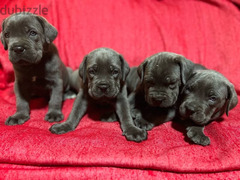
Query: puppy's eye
91	71
172	86
6	35
32	33
212	99
115	72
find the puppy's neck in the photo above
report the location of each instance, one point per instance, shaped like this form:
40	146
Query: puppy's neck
49	49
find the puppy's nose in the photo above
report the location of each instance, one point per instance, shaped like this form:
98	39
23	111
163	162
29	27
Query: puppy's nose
103	86
18	49
192	108
158	99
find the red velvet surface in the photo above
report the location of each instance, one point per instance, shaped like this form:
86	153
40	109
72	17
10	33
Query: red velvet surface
206	32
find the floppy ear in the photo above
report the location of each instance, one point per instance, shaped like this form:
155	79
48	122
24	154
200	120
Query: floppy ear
193	75
2	37
82	69
125	67
49	30
232	99
186	68
141	70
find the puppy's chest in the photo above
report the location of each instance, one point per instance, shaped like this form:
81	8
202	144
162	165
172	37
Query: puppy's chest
38	81
35	79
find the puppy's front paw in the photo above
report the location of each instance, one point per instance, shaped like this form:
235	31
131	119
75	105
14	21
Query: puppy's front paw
60	128
135	134
54	116
198	137
143	124
17	119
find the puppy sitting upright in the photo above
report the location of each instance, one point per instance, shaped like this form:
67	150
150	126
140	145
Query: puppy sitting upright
155	86
205	97
102	81
37	66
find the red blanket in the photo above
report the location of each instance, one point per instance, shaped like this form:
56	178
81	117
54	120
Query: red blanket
206	31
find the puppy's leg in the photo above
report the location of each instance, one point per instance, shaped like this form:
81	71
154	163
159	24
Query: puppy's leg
136	114
55	104
131	100
79	109
130	131
196	134
22	97
139	121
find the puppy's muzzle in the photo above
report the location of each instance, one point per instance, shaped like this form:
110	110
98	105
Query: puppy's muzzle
157	98
103	87
194	112
18	49
193	108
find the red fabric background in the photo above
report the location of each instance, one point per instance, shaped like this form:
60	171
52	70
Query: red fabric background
205	31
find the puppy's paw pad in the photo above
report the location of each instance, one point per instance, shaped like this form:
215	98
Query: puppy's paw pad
60	128
54	116
17	119
141	123
135	134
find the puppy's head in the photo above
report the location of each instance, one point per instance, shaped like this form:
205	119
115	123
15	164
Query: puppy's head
25	35
103	71
206	96
161	77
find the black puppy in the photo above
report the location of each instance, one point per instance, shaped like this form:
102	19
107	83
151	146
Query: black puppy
102	81
155	86
206	96
37	66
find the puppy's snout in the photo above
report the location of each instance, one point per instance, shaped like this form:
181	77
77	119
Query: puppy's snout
103	86
192	108
18	49
157	97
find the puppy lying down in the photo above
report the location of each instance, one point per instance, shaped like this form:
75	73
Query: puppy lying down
206	96
37	66
101	80
155	87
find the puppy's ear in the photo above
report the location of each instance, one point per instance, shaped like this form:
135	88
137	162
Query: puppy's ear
141	70
186	67
2	37
50	31
232	98
193	75
83	69
125	67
